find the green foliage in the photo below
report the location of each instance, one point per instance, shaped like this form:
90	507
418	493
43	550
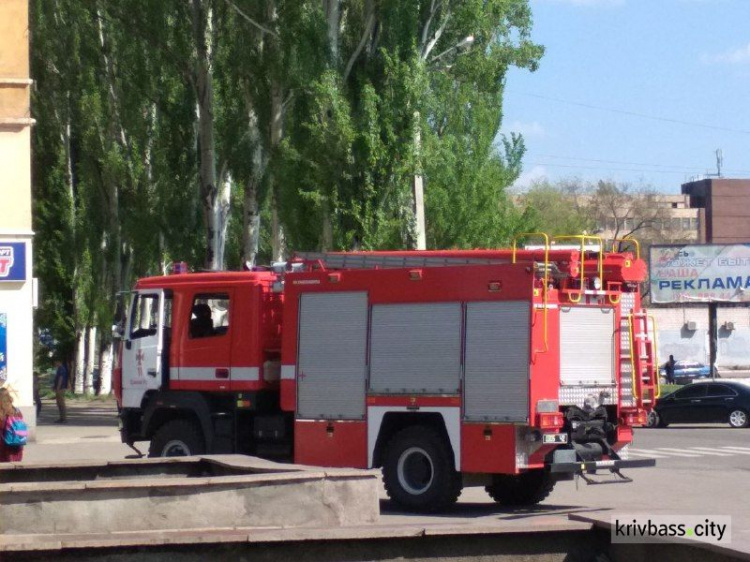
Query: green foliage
393	89
557	209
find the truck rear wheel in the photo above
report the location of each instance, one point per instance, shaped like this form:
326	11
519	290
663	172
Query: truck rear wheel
177	438
528	488
418	471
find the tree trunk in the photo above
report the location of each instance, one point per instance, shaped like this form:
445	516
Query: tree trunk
80	361
106	353
251	208
91	340
203	37
250	223
221	219
277	131
332	10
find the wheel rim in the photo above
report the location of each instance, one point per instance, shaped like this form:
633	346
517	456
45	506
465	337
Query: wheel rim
175	448
738	418
415	471
653	418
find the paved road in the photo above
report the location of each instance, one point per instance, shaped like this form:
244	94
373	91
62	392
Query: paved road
700	470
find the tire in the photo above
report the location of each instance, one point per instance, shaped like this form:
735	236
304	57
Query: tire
177	438
738	418
528	488
418	471
655	420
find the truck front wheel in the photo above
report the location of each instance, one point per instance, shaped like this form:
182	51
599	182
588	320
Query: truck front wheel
418	471
528	488
177	438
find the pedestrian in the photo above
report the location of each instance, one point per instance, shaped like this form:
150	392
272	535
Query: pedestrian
9	414
37	394
669	369
60	385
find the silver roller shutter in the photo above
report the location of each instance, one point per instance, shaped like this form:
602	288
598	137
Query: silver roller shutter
415	348
496	368
587	345
331	355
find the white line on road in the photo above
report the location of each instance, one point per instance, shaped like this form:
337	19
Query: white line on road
647	453
710	451
746	449
678	452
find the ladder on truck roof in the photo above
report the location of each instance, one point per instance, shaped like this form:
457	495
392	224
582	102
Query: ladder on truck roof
354	260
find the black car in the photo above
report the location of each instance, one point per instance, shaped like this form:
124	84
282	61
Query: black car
704	402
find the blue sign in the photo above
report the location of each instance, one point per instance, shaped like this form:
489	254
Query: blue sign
3	347
12	261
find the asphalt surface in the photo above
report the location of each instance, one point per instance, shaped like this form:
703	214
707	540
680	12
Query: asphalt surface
701	470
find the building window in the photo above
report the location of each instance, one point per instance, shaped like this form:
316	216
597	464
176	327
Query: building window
685	224
694	224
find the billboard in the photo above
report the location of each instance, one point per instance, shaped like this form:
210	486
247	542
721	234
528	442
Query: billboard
3	347
700	273
12	261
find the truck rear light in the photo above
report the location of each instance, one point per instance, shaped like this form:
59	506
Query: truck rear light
553	420
639	417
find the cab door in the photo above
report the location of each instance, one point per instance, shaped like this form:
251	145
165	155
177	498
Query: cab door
204	356
142	360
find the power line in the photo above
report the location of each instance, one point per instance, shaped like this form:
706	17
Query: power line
690	169
632	113
675	172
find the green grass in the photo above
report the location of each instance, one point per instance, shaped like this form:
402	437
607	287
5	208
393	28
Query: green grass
667	388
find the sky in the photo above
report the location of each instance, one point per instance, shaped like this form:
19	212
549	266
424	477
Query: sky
641	92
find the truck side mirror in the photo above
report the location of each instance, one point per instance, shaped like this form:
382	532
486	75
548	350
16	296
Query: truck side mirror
117	331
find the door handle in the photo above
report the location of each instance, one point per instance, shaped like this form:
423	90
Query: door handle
695	401
152	373
221	373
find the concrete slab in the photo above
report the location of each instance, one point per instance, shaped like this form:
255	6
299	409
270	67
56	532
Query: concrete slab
182	493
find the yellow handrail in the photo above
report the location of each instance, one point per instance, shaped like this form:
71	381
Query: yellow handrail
583	238
628	239
633	351
655	366
546	275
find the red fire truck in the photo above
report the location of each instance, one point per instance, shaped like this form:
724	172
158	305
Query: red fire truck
509	369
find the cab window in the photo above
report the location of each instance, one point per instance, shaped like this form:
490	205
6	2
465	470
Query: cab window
145	316
209	315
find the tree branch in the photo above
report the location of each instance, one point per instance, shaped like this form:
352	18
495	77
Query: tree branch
431	45
369	26
251	21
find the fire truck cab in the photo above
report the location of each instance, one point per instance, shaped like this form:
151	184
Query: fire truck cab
508	369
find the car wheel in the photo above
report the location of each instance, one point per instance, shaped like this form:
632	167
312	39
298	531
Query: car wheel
419	472
528	488
177	438
653	419
738	418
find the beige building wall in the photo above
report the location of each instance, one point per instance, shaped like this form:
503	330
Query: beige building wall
16	295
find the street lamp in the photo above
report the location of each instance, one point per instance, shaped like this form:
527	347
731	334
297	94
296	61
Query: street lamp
467	41
418	187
